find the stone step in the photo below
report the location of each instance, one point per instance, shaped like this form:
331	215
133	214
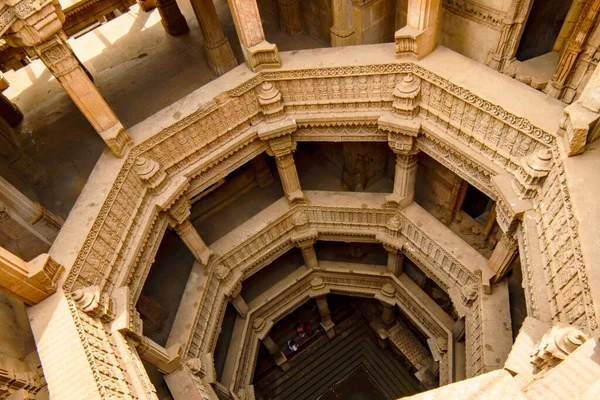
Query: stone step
321	360
303	360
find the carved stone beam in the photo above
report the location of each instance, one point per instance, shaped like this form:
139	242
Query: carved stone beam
165	360
30	282
180	213
419	37
342	31
305	237
171	17
218	50
257	51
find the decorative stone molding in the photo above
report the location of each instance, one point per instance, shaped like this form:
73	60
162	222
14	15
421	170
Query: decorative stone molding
151	173
532	172
269	99
556	345
92	302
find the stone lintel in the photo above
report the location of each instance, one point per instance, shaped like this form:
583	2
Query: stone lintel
396	243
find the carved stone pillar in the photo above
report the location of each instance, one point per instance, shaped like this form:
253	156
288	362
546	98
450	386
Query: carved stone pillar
308	253
165	360
289	177
257	51
395	260
277	130
180	213
502	257
388	314
58	56
171	17
238	301
342	31
262	173
30	282
37	217
278	356
582	31
404	180
419	37
304	238
289	16
217	47
325	314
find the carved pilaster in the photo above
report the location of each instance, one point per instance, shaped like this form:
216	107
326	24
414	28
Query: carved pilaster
171	17
262	173
502	257
257	51
388	315
342	31
289	16
238	301
419	37
218	50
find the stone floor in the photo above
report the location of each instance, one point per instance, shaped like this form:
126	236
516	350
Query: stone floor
138	68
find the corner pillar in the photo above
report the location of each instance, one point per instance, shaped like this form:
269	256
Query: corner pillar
308	253
30	282
395	260
165	360
502	257
388	314
238	301
289	176
59	58
419	37
404	180
342	31
180	213
278	356
289	16
217	47
171	17
257	51
325	314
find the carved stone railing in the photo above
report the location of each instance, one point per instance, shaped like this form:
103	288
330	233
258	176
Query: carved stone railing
470	135
429	318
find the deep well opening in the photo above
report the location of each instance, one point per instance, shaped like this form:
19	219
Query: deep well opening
320	363
348	166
